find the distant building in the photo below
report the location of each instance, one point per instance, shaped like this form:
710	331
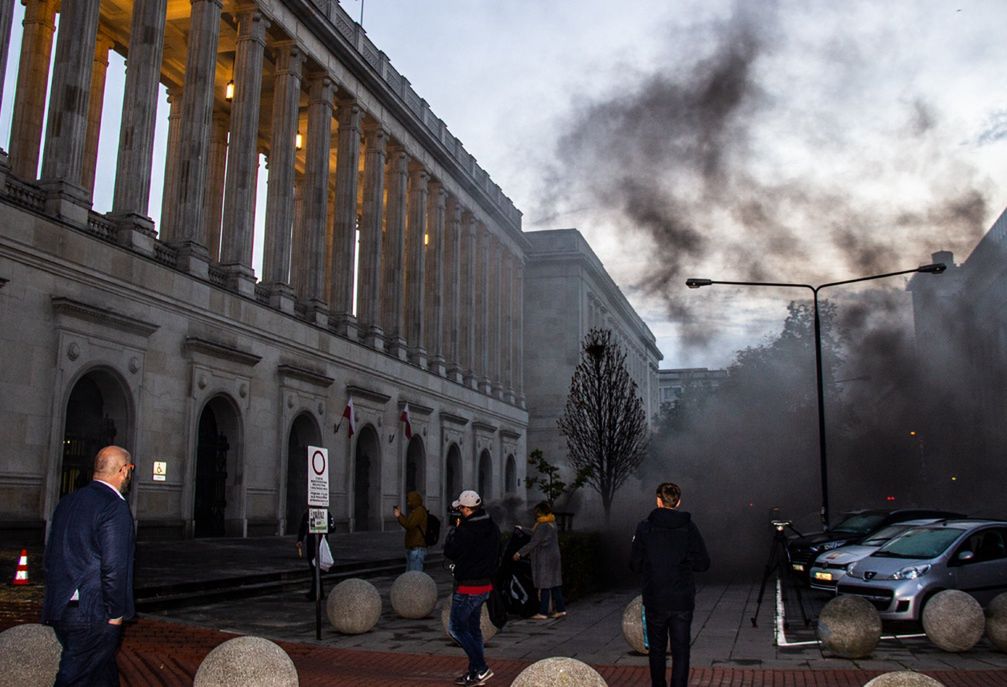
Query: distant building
568	292
672	384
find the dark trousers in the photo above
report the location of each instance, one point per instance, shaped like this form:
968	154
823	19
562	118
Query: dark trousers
89	649
662	624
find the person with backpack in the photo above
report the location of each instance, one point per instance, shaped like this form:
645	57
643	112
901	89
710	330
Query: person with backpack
416	524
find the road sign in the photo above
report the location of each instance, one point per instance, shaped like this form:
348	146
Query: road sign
318	477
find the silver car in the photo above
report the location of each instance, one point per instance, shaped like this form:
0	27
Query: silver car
901	576
830	567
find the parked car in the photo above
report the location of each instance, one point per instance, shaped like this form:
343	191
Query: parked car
830	567
901	576
852	529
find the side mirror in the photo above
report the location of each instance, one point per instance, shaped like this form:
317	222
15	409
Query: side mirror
966	556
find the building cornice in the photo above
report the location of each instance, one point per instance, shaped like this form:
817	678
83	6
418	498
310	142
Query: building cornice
223	351
304	375
62	305
367	394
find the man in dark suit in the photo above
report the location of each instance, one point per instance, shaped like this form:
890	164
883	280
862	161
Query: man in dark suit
89	572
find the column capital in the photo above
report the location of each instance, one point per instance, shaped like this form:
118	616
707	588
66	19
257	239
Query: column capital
289	58
322	89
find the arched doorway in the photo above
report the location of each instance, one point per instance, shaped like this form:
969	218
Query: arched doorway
304	432
367	482
453	474
216	465
96	415
485	475
510	476
415	464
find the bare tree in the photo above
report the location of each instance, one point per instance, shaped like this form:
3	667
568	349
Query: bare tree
604	422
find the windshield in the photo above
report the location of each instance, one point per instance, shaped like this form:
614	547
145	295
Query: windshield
921	542
883	535
860	524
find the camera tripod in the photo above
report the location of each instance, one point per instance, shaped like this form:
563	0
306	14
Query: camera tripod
779	561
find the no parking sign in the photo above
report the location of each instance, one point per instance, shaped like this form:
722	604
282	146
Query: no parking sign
318	477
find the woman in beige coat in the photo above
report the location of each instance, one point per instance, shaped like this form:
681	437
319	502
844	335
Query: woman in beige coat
546	565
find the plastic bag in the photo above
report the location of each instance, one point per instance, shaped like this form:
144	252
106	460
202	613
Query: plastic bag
325	560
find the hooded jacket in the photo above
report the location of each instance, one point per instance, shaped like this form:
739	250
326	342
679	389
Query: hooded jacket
667	549
416	522
474	547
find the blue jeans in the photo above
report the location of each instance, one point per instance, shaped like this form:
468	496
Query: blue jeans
557	599
660	625
463	626
89	650
415	558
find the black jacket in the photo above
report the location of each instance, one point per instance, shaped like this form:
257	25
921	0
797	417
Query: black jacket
667	549
474	547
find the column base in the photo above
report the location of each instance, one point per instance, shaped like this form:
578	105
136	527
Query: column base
396	346
281	297
240	278
417	356
4	170
455	373
374	337
135	232
437	366
486	386
509	395
69	202
317	313
497	390
521	401
345	325
193	259
471	380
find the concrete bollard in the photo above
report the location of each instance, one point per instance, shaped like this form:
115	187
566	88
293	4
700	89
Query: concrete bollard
246	662
904	678
29	655
486	626
559	672
996	621
632	625
953	620
414	594
849	626
353	606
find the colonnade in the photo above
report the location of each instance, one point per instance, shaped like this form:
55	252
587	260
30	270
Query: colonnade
366	234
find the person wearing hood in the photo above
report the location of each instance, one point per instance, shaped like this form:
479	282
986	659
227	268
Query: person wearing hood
415	525
667	550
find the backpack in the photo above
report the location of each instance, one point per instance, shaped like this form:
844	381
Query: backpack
433	532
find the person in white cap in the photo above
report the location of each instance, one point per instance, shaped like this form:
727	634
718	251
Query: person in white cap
473	545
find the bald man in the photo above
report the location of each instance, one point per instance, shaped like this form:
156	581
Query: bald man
89	573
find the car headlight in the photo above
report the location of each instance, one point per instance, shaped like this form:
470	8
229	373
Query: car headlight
851	568
911	573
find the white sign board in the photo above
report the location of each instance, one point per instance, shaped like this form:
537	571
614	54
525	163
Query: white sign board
318	477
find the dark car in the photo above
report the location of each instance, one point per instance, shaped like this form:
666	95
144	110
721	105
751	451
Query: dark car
852	529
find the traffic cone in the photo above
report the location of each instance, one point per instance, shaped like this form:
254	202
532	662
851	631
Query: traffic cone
21	576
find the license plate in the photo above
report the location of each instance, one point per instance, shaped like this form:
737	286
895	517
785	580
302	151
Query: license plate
826	576
798	567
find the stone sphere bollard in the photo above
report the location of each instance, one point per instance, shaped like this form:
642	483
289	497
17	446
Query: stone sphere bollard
414	594
353	606
849	626
996	621
246	662
904	678
559	672
30	656
953	620
486	625
632	625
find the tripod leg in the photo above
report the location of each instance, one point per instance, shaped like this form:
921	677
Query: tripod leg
771	564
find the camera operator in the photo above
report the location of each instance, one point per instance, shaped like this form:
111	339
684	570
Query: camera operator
473	546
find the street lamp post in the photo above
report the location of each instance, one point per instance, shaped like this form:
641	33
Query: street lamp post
934	268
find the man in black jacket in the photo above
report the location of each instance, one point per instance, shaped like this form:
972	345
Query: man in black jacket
667	549
473	545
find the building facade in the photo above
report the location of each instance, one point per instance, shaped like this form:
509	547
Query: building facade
672	384
393	275
569	292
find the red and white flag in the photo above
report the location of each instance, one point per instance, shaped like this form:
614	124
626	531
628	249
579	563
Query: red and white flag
350	416
407	421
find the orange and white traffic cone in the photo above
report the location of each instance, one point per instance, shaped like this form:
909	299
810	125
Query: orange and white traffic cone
21	576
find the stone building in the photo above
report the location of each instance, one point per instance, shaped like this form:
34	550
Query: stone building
569	292
673	383
157	333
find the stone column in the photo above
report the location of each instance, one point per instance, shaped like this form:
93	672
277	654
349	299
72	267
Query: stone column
243	152
344	223
280	183
433	286
416	230
310	236
66	123
453	289
371	235
519	331
6	20
471	302
170	187
507	325
213	199
495	316
393	261
297	269
484	277
188	230
97	100
38	26
131	197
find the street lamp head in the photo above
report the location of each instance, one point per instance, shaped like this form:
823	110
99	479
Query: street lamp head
935	268
694	283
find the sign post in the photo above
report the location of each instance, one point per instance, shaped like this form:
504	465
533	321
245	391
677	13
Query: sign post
318	517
